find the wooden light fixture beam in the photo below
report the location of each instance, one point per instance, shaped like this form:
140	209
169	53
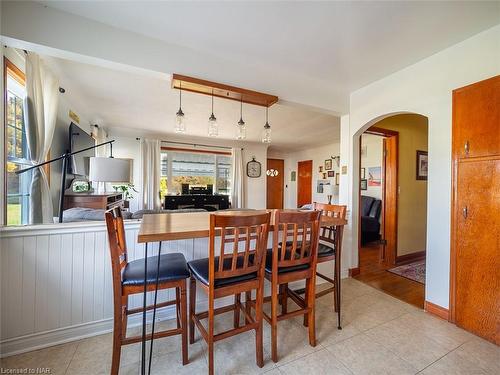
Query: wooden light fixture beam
220	90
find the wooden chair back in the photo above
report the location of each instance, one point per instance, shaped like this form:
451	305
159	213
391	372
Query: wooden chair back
242	247
328	233
117	246
299	234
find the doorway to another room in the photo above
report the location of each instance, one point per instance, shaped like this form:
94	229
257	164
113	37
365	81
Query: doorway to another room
304	182
275	183
393	207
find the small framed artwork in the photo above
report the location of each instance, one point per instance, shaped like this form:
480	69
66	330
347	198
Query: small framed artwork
337	179
363	184
422	165
331	174
320	169
293	176
328	164
363	173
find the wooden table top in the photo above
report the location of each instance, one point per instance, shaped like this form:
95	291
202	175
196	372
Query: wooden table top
181	226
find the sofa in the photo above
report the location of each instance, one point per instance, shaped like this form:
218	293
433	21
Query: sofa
370	219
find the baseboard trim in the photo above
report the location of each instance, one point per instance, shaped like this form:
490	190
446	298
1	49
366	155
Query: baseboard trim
354	271
408	258
437	310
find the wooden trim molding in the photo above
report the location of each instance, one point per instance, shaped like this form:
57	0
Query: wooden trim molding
167	148
437	310
201	86
354	271
408	258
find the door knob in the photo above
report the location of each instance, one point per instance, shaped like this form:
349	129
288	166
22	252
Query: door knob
466	147
464	212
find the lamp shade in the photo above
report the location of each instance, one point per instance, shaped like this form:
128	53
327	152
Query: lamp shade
109	170
332	189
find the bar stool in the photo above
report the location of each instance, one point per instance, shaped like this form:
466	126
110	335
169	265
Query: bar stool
293	259
128	279
232	272
329	248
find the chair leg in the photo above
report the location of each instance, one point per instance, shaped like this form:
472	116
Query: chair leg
274	321
284	298
237	303
117	341
192	308
259	351
178	307
183	308
210	338
306	298
311	301
248	307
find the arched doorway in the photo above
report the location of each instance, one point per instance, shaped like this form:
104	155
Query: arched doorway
390	176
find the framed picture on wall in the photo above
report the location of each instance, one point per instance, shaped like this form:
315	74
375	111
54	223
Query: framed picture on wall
363	173
328	164
337	178
363	184
293	176
422	165
331	174
374	176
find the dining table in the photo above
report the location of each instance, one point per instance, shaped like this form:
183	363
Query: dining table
191	225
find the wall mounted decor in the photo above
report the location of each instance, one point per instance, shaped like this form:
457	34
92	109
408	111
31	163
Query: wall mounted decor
254	168
422	165
363	173
328	164
374	176
293	176
363	184
320	169
331	174
337	178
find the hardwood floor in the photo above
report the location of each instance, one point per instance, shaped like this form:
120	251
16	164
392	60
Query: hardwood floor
376	275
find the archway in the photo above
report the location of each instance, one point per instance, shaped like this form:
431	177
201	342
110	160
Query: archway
396	193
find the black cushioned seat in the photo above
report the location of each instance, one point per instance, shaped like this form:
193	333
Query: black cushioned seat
199	269
172	267
269	264
324	250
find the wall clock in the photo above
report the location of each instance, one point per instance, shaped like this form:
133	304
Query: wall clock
254	168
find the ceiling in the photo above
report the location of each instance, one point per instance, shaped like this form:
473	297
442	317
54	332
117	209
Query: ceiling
333	47
139	103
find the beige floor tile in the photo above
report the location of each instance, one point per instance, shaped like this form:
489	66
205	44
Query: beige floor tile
171	363
56	358
320	362
482	353
362	355
453	364
366	317
327	332
408	343
274	371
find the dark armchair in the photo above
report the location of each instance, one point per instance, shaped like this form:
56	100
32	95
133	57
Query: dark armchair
370	216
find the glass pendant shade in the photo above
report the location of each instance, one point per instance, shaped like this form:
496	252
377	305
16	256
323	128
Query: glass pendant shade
241	128
266	134
213	127
180	122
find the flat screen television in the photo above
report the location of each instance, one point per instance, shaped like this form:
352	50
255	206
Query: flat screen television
78	140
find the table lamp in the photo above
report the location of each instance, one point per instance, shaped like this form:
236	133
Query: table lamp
104	169
331	190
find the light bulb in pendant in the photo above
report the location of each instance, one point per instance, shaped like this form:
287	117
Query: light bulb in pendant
213	127
180	119
241	128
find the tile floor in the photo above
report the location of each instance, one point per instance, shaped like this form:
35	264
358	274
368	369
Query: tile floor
380	335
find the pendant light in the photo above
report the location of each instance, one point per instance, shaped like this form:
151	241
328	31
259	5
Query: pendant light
266	134
213	127
241	127
180	120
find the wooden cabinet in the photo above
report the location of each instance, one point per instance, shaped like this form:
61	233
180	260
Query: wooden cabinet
475	242
97	201
476	124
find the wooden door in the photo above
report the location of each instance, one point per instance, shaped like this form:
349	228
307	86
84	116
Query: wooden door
304	182
475	252
275	182
390	199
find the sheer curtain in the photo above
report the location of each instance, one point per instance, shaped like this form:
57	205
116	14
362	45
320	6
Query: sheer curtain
237	188
40	114
151	164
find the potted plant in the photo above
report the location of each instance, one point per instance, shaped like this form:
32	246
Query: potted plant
127	191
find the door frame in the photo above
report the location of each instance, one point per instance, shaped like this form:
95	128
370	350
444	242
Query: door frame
389	222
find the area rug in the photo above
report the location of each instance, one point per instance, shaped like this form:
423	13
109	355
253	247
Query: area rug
414	271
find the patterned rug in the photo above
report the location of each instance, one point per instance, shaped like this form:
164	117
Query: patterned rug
414	271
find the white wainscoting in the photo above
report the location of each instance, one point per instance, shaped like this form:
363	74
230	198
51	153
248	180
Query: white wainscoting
56	282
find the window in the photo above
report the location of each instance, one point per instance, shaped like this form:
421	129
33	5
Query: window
16	146
196	169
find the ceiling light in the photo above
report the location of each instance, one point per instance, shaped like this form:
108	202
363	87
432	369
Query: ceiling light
213	127
266	134
180	120
241	127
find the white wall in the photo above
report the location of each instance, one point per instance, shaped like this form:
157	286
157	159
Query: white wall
426	88
318	155
373	158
